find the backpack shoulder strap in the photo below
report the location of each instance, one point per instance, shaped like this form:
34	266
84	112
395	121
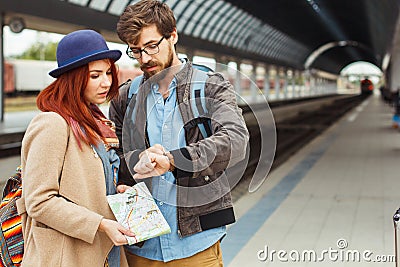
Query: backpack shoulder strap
131	93
198	101
133	89
202	67
13	182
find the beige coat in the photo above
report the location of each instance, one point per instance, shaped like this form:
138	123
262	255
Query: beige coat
61	228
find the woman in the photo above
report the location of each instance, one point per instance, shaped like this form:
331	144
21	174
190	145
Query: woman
69	164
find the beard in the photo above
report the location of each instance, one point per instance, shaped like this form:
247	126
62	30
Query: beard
154	63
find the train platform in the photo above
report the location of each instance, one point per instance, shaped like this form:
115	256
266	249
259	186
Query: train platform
330	204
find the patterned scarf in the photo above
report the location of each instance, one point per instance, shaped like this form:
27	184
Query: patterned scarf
110	162
106	127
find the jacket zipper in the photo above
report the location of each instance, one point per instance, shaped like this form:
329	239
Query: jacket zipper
177	219
185	100
147	143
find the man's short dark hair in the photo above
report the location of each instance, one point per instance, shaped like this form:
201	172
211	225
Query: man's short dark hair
142	14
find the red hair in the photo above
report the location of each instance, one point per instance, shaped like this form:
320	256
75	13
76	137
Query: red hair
65	96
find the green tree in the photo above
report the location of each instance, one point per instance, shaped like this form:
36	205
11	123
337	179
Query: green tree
40	51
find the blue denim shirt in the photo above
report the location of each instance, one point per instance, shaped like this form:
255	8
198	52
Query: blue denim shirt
111	163
165	127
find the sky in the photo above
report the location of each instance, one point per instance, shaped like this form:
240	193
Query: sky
16	43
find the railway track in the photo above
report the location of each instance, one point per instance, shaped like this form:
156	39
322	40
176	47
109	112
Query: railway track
293	134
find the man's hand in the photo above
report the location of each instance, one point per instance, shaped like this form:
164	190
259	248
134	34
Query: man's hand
152	162
157	148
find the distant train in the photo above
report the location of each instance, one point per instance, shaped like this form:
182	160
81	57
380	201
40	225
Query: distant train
27	75
33	75
367	86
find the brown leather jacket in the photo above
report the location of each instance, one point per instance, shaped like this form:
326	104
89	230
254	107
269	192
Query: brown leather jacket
204	199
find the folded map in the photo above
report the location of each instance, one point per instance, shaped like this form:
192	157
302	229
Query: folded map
136	210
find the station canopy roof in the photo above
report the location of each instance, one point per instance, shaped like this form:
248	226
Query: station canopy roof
282	32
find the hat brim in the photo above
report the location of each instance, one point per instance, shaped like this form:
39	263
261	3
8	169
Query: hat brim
111	54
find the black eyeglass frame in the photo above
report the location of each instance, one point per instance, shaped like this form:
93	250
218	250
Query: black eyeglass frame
140	51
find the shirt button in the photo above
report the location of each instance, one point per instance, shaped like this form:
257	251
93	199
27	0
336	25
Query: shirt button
206	178
161	203
154	86
159	101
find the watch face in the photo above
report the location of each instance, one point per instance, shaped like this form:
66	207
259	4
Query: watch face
17	25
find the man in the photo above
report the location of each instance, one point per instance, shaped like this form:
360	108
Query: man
188	181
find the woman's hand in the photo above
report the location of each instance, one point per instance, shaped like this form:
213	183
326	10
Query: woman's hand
115	231
122	188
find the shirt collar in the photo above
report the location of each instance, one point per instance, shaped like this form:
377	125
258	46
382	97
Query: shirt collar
172	85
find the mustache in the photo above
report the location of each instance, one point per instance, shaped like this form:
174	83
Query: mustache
149	64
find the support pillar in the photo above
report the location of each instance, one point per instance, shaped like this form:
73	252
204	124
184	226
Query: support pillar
285	83
253	84
278	83
266	81
189	55
293	82
238	78
296	85
218	64
394	70
1	67
307	83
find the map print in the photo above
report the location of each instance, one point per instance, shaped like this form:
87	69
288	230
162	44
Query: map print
136	209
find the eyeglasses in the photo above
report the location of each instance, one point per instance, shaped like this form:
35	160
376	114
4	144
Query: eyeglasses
151	49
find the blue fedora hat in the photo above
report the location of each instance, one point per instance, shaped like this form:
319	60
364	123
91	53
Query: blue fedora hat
79	48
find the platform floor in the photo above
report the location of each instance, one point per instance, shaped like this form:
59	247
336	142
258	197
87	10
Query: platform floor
331	204
332	201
